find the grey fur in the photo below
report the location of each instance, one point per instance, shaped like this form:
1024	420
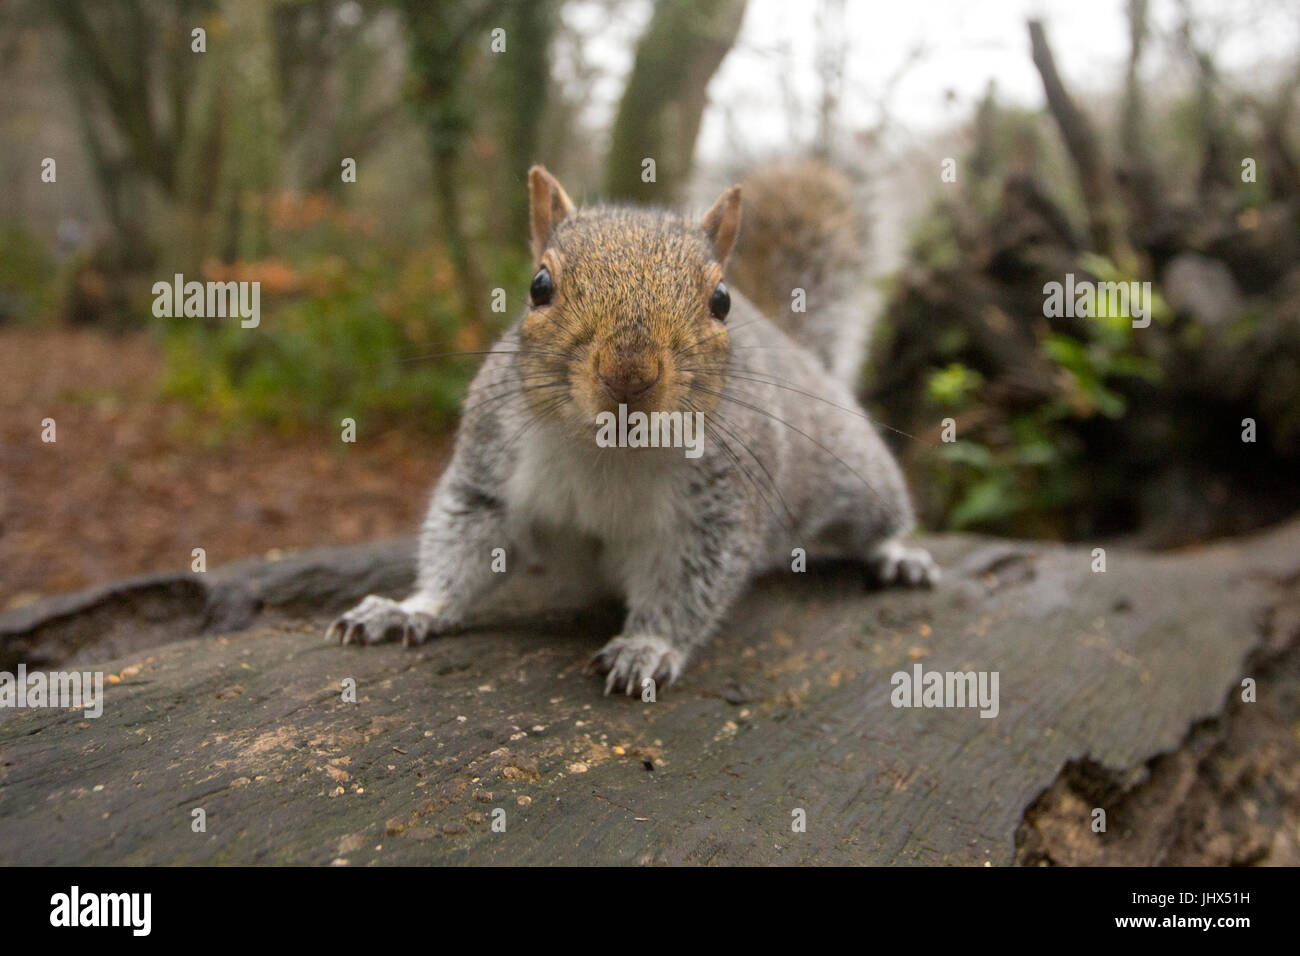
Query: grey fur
790	461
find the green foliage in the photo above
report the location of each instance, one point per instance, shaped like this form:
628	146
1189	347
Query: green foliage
1022	468
27	275
1013	475
366	338
954	385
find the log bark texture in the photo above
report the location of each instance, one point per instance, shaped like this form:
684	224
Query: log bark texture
1118	690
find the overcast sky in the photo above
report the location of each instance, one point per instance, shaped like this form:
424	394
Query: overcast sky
966	43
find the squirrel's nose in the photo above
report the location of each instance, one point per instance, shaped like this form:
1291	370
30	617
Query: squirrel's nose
626	383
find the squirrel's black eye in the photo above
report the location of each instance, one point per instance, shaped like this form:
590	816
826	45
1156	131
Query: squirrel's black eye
720	304
541	290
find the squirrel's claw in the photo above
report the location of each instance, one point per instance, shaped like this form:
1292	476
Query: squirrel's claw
342	631
378	618
896	563
628	662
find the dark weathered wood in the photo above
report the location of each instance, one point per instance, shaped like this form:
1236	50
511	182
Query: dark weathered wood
789	708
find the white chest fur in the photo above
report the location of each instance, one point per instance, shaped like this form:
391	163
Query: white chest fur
612	494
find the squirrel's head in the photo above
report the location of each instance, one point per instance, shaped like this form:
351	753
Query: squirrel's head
627	306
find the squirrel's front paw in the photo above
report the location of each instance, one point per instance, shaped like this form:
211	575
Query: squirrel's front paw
896	563
379	618
627	661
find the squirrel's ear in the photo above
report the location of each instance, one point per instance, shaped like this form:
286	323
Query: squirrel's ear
721	224
549	206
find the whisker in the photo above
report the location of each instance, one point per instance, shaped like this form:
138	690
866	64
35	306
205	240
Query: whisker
546	408
518	351
790	519
709	338
776	418
712	432
505	391
731	372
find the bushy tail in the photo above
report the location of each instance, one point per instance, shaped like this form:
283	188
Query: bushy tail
801	228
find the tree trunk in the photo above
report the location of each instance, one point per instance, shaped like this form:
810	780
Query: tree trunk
1084	150
1138	180
659	116
524	97
441	40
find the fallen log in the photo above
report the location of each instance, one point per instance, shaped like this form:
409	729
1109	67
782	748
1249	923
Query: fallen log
1118	690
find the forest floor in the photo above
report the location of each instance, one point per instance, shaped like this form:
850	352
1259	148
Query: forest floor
134	483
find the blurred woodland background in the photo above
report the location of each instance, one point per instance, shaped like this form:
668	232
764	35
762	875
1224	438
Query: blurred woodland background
1176	164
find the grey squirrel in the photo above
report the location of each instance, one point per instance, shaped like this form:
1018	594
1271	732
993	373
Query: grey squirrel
629	307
